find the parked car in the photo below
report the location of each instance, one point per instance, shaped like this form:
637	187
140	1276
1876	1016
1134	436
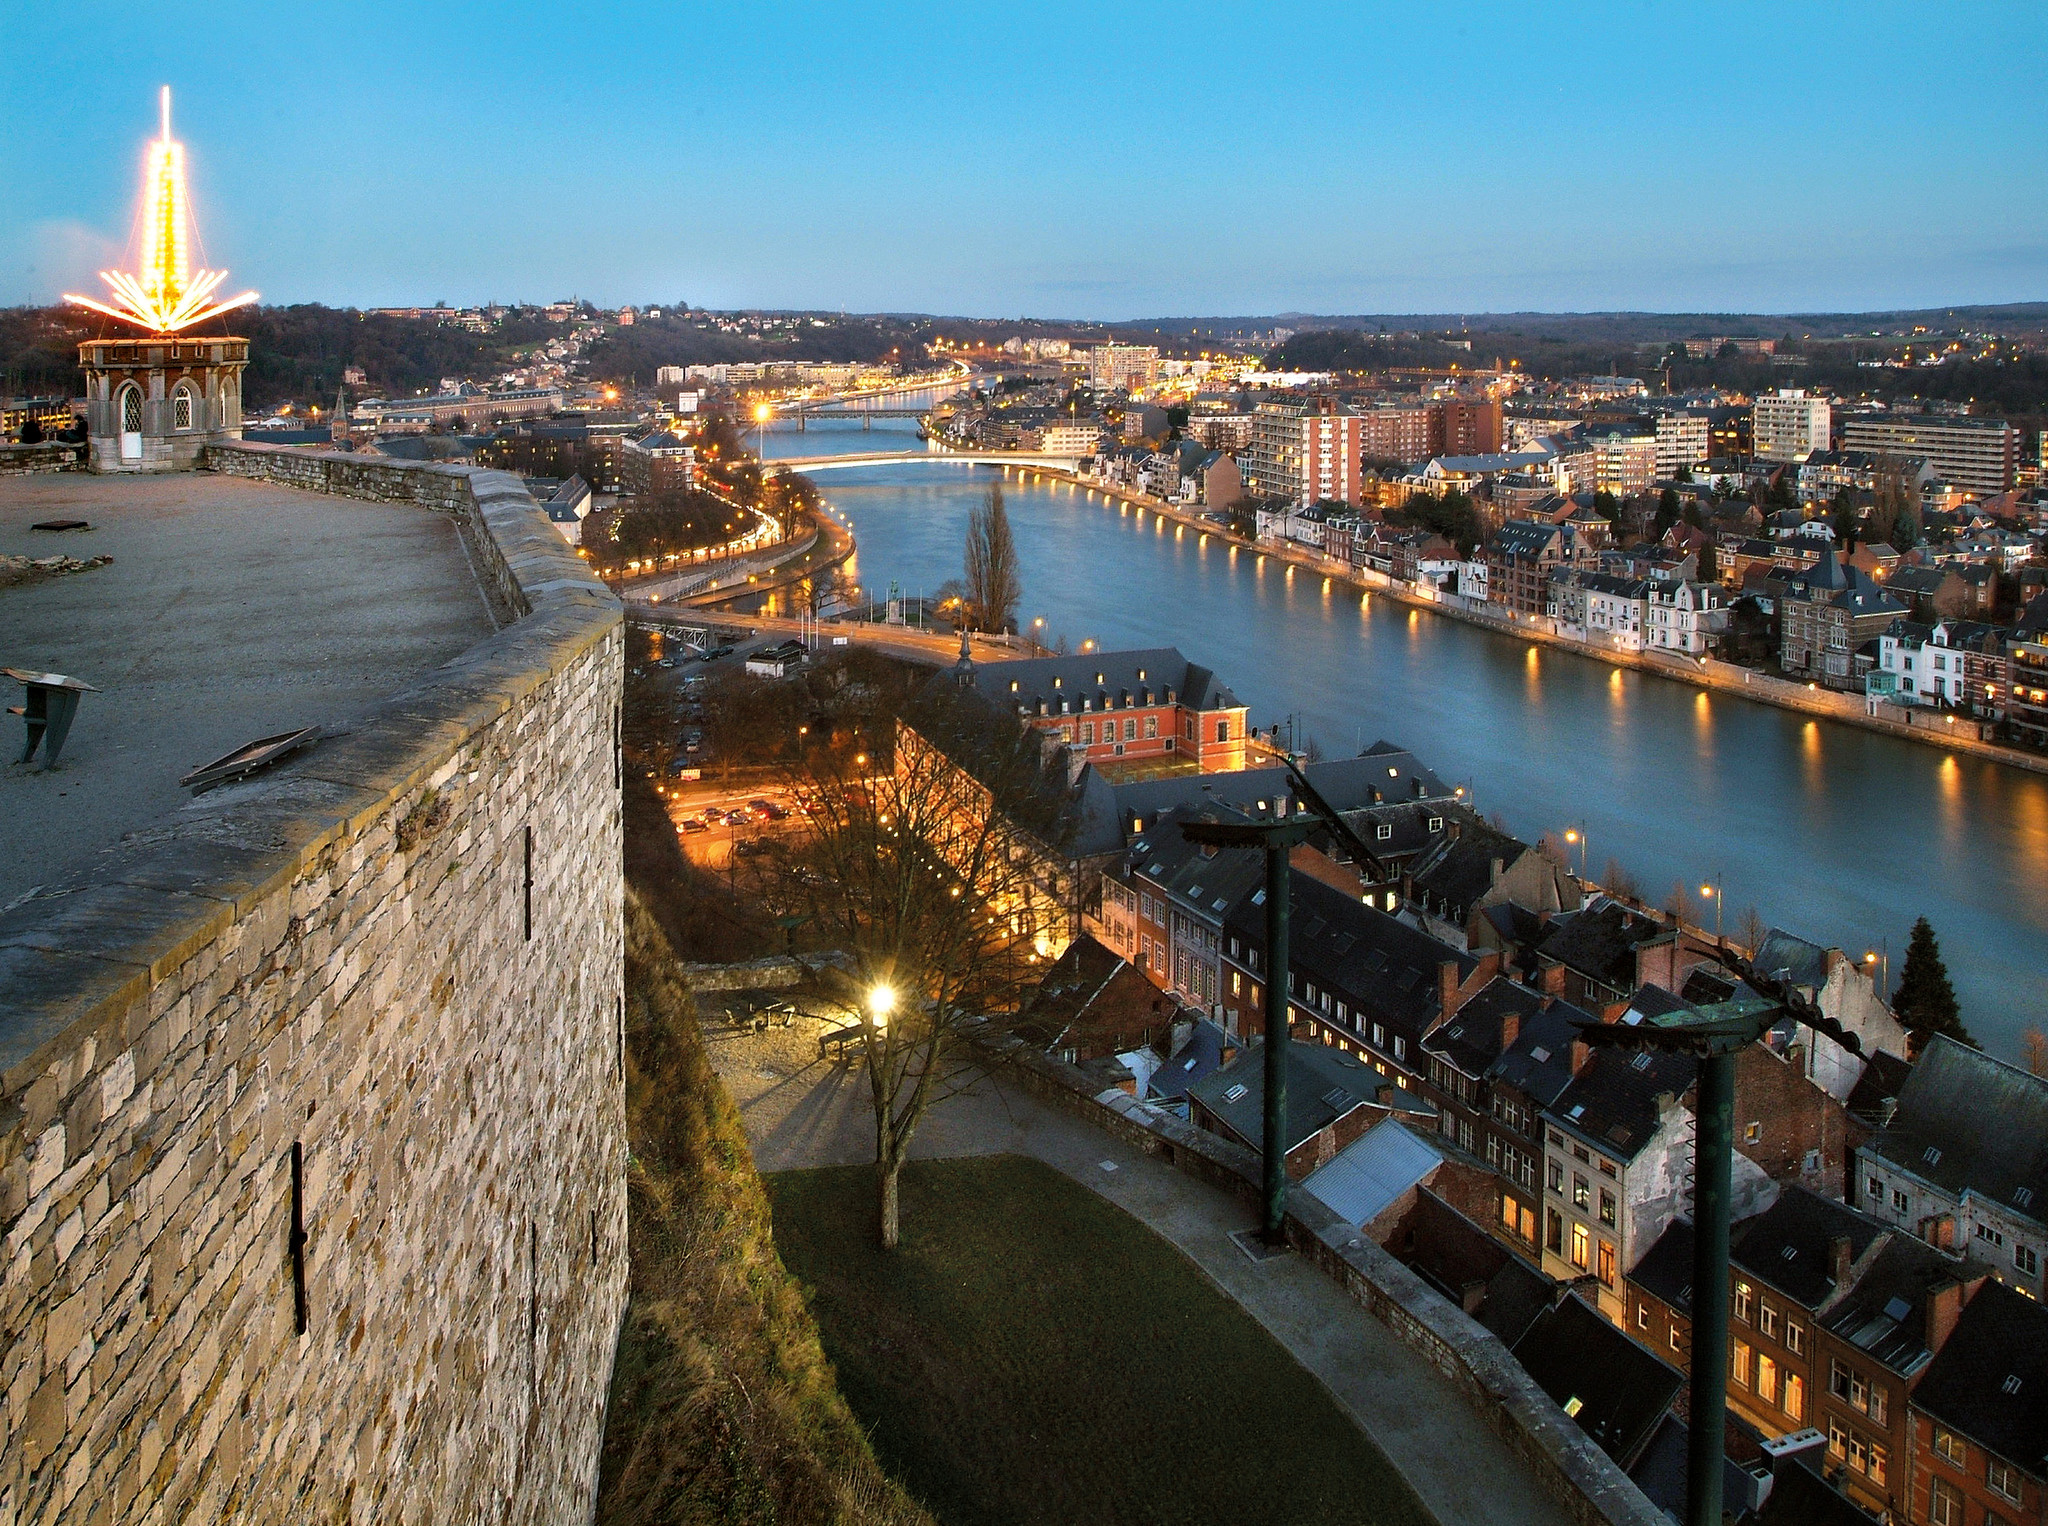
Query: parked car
725	649
767	810
692	824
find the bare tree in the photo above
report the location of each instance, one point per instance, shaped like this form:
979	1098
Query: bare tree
1618	882
939	870
993	591
1680	902
1751	931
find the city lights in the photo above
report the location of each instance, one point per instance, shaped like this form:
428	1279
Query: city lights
165	295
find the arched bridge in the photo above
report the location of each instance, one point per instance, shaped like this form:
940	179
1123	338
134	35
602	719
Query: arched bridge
952	457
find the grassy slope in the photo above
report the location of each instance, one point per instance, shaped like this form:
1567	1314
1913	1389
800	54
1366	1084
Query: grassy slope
1033	1354
723	1407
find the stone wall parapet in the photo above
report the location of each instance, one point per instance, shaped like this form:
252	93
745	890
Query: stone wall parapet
343	1037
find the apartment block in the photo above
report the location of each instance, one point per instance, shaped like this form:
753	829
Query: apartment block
1789	425
1982	455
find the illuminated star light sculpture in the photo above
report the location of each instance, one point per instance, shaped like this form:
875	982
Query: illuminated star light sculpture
164	296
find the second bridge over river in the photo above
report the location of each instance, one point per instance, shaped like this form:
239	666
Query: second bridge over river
851	460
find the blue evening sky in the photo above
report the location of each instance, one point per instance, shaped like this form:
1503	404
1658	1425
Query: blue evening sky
1052	159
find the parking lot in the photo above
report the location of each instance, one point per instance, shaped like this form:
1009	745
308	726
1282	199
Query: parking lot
715	821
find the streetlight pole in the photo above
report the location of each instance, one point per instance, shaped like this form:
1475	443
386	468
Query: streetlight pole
1714	1034
1277	837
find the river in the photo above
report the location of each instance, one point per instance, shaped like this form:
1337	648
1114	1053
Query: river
1837	834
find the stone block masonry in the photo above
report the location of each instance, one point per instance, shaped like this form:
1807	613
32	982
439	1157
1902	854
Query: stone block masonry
312	1131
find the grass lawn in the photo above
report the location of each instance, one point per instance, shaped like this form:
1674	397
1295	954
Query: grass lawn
1032	1353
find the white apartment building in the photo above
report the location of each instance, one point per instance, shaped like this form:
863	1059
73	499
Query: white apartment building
1617	610
1070	439
1122	366
1981	455
1789	425
1624	464
1681	442
1684	617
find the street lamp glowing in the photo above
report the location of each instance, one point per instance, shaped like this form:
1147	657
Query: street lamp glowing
881	1002
763	413
1707	891
165	294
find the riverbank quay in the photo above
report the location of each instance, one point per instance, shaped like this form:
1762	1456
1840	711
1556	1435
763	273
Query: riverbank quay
1712	674
706	585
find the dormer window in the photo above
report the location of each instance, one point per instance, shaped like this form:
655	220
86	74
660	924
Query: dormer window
1013	686
1141	675
1056	682
1099	680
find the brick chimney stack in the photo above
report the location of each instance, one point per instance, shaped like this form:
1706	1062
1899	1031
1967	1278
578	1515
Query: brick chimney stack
1840	1259
1510	1030
1944	1308
1582	1056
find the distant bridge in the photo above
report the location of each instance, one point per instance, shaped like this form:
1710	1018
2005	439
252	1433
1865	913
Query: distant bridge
951	457
867	416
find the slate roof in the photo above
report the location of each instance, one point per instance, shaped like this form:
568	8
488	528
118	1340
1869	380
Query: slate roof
1471	1038
1459	870
1664	1271
1539	1062
2033	620
1523	537
1200	1056
1091	990
1600	940
1381	774
1790	1244
1207	883
1885	1313
1323	1085
1804	963
1877	1090
1141	677
1990	1379
1937	1131
1612	1103
1622	1390
1917	580
1864	597
1390	972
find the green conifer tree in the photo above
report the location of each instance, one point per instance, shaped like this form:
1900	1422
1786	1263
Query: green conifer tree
1925	1001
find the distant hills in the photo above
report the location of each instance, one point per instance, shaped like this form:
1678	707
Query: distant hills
1627	327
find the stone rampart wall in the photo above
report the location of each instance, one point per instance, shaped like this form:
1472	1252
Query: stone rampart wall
50	456
312	1144
1571	1467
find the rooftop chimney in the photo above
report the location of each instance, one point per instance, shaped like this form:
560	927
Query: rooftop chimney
1839	1260
1582	1056
1944	1308
1510	1030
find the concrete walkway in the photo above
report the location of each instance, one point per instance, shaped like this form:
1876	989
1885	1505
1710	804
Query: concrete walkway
800	1111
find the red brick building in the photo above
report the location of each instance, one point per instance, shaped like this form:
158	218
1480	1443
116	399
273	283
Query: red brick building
1114	706
1979	1416
1471	427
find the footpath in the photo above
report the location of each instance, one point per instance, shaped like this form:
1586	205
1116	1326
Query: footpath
801	1111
